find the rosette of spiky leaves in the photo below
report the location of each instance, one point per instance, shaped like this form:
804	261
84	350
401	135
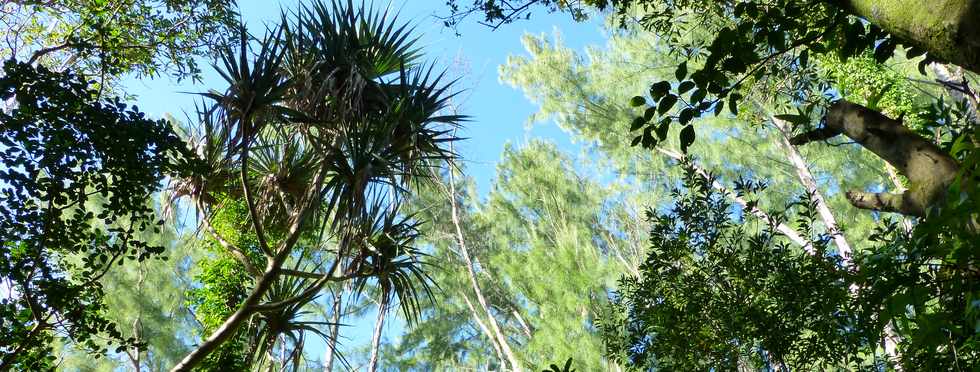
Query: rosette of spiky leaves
235	117
256	88
388	253
288	325
208	140
418	120
282	167
369	110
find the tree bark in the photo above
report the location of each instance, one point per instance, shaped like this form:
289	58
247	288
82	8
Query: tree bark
947	29
378	326
334	329
810	183
486	331
231	324
467	260
930	171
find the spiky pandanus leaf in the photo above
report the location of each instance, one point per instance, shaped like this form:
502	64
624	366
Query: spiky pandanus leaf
324	125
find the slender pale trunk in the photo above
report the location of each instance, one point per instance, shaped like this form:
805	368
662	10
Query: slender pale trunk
467	259
378	326
904	151
334	329
486	331
138	322
810	184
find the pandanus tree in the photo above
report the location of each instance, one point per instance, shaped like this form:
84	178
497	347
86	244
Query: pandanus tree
326	123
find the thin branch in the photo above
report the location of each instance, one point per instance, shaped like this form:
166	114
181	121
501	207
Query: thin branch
483	327
235	251
253	212
787	231
42	52
809	182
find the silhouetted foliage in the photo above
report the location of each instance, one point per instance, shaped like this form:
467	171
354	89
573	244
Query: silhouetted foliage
74	184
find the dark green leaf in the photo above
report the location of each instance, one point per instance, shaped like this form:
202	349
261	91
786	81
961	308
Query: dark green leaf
638	101
637	123
686	115
687	137
663	128
666	103
659	89
649	113
685	86
698	96
636	140
681	71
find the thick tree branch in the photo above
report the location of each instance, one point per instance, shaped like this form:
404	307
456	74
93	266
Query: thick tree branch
929	170
228	328
948	29
269	276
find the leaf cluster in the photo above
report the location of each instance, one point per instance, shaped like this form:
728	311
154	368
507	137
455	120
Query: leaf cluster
714	293
77	172
735	44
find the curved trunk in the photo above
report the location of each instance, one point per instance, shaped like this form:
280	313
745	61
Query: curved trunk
930	171
501	338
230	326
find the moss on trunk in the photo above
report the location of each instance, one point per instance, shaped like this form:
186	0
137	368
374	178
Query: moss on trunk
947	29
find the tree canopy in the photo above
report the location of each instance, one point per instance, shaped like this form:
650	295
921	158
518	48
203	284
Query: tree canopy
749	185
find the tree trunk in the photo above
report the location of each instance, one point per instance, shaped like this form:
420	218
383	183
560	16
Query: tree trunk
486	331
378	326
230	326
930	171
948	29
334	329
468	261
810	184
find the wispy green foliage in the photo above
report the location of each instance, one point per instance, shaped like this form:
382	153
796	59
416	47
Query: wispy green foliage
547	244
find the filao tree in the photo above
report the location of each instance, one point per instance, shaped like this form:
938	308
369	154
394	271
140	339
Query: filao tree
766	61
745	41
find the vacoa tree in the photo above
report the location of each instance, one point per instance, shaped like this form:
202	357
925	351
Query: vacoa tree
326	124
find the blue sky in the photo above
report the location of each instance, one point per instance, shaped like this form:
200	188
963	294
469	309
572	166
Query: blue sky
498	112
